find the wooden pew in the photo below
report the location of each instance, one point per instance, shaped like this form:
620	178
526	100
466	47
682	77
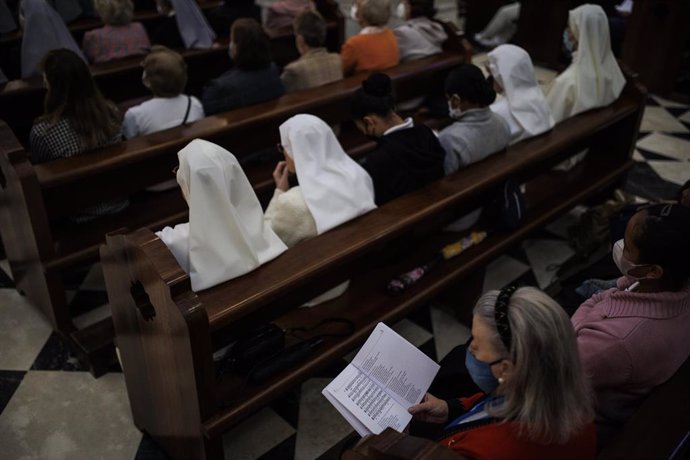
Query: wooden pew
21	101
166	333
660	427
37	196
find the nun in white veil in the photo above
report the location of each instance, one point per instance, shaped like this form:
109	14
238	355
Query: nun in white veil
7	22
332	190
593	79
192	26
226	235
522	103
44	30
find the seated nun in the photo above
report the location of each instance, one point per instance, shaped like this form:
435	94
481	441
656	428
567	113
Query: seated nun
43	31
476	132
419	36
593	79
522	103
119	37
501	28
226	235
332	190
407	156
183	26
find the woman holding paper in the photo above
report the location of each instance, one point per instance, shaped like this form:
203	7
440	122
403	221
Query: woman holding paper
535	402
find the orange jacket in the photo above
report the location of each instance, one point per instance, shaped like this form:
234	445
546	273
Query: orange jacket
377	51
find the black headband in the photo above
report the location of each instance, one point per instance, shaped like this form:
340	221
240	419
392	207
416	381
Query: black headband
501	315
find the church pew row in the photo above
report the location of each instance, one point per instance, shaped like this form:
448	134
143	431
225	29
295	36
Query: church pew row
21	101
144	12
167	334
660	427
41	244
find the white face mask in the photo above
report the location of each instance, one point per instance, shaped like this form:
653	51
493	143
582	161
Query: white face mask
622	262
353	12
454	113
401	11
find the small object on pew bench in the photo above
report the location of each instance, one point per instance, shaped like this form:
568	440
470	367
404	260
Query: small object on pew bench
402	282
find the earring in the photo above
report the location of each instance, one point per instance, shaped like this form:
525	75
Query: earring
501	380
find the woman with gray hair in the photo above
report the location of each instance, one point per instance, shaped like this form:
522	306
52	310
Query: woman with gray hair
375	47
535	402
119	37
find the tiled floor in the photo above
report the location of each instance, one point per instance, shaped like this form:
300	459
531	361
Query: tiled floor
51	409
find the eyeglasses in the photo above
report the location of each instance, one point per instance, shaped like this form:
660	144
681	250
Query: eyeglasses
280	148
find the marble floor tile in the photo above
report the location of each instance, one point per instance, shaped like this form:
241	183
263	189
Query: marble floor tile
5	267
668	103
9	382
448	331
659	119
667	146
58	355
320	425
677	172
92	316
23	331
560	226
644	182
255	436
502	271
69	415
545	257
94	280
544	76
637	156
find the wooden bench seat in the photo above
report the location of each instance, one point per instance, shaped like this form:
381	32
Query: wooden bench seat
21	101
35	196
167	357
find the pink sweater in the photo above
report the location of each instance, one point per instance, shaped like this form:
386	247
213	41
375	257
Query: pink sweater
629	343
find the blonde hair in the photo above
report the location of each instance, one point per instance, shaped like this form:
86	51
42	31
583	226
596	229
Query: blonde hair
166	72
376	12
547	393
115	12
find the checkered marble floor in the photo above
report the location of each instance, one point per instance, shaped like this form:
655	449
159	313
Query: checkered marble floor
50	408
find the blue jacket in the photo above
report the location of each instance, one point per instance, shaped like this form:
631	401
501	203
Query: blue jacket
240	88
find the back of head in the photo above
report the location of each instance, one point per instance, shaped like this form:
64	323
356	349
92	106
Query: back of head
547	392
422	8
376	12
512	67
115	12
468	82
251	43
73	94
165	72
663	238
311	26
590	26
375	97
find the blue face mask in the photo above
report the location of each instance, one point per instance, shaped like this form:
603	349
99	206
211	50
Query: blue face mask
481	372
567	43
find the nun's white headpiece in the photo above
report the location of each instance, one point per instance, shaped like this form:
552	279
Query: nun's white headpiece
335	188
226	236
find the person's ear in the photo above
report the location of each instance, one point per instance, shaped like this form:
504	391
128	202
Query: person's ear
504	371
455	101
369	125
649	272
299	43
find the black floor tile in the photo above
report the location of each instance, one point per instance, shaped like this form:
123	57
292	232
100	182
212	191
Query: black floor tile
58	355
9	382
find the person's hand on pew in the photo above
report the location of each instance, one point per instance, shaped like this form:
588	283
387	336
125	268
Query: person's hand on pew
430	410
280	176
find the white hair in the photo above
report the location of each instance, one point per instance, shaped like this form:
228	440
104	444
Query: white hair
547	393
376	12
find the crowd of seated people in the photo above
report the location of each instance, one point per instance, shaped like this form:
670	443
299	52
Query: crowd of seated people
532	367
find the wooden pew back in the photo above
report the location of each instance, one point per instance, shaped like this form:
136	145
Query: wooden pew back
166	329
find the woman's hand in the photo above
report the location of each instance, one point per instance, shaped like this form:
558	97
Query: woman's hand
280	176
430	410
